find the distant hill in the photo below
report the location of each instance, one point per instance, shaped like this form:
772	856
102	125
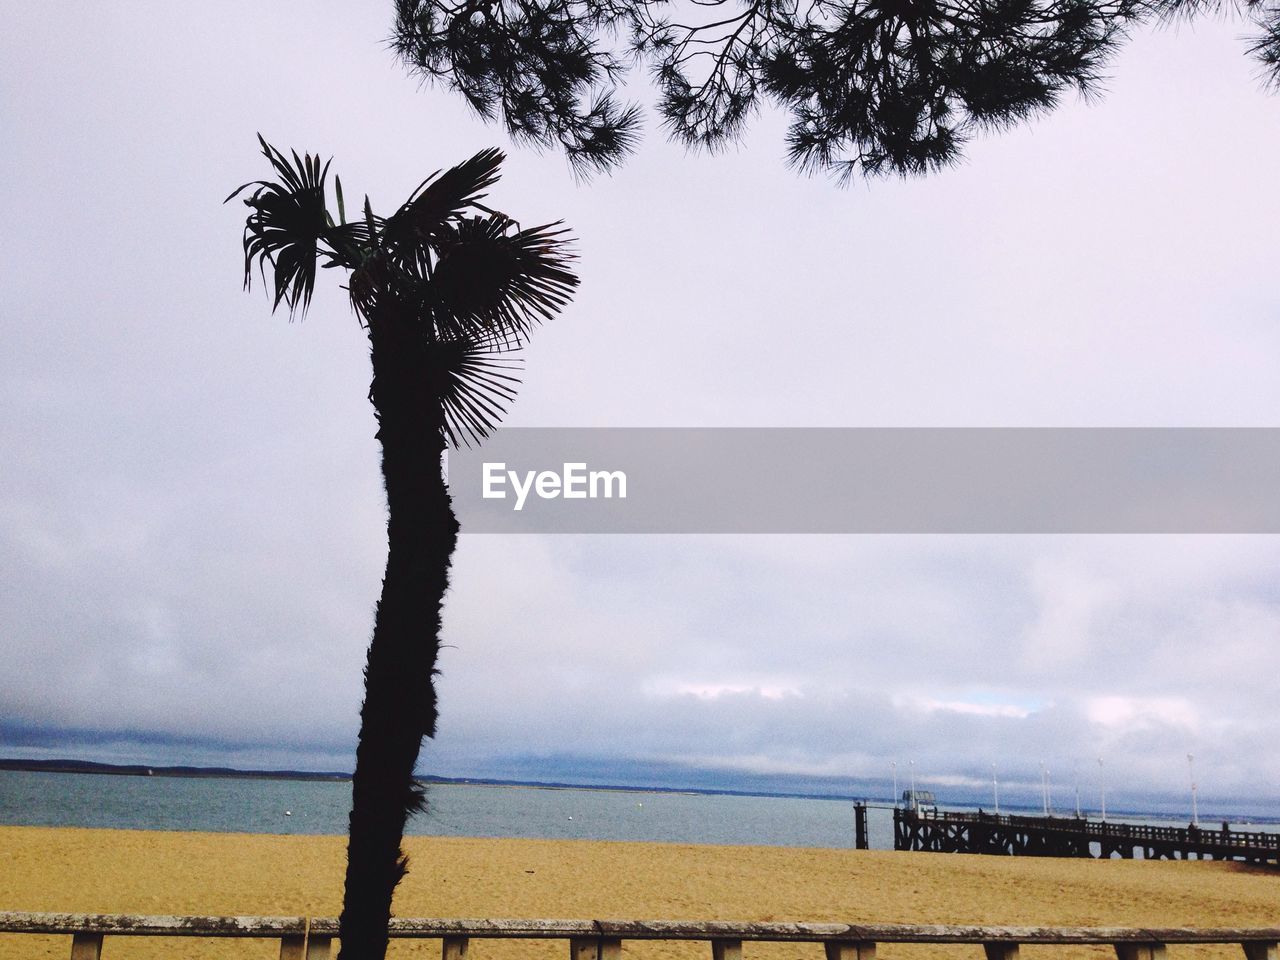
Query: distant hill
139	770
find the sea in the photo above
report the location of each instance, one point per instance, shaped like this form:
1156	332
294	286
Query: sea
279	806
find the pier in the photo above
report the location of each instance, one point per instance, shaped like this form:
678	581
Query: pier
1075	837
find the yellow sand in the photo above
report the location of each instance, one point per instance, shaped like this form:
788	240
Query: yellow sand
123	871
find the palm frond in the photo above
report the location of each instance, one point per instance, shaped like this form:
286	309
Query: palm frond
439	199
342	207
480	381
288	221
495	287
464	290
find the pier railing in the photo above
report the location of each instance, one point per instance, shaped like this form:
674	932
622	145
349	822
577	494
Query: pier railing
303	938
1075	837
1226	837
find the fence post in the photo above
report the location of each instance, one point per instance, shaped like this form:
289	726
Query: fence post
1001	951
453	948
86	946
849	950
292	947
595	948
1140	951
732	950
1260	951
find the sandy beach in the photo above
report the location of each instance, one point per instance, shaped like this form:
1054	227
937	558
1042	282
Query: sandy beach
122	871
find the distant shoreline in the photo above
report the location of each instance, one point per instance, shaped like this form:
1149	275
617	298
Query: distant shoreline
232	773
142	770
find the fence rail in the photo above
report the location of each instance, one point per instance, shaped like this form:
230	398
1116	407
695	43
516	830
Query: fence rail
305	938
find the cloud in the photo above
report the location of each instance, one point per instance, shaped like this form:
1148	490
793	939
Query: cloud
766	689
1012	710
191	523
1142	713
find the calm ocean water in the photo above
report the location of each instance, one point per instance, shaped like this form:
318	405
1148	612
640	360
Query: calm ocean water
455	810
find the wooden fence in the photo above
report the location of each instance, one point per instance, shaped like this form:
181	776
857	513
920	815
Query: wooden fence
303	938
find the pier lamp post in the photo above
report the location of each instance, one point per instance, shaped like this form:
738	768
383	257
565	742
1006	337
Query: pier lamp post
915	804
893	764
1191	768
1044	788
995	789
1102	785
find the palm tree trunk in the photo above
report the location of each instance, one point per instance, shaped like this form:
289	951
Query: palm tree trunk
400	704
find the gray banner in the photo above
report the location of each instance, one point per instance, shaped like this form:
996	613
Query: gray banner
891	480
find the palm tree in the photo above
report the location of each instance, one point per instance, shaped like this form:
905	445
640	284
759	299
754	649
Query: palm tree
447	289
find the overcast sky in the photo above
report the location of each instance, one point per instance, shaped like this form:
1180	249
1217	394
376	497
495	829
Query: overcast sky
191	522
